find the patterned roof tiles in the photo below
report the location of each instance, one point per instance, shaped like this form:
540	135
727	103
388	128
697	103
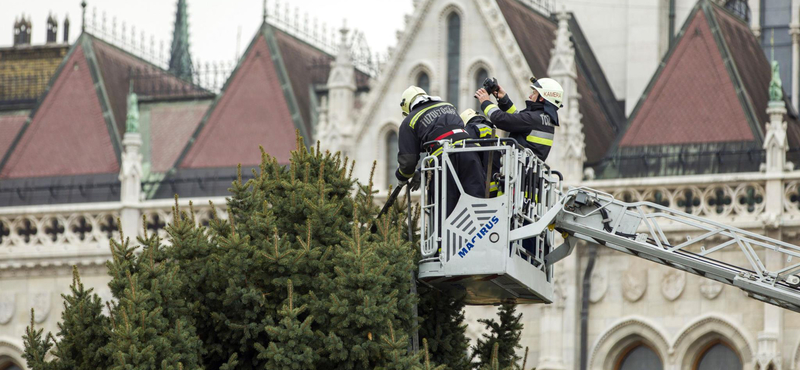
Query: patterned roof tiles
10	126
694	99
171	125
251	111
68	134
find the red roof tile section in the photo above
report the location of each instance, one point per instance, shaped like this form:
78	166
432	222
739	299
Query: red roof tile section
68	134
171	126
9	126
116	67
535	35
693	100
252	111
297	58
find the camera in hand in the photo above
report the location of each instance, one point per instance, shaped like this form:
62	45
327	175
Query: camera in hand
490	85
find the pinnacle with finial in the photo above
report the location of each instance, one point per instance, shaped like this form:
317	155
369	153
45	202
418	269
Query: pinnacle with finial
264	15
180	62
83	15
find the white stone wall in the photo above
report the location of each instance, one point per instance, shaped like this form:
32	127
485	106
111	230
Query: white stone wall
427	52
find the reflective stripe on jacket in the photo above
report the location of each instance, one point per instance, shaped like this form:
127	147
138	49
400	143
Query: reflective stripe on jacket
530	127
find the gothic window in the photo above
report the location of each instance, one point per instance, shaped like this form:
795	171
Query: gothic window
739	8
10	366
453	56
424	82
640	357
391	157
719	356
479	77
775	37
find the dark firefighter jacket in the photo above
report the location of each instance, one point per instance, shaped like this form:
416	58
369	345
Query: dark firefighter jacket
479	127
532	127
428	121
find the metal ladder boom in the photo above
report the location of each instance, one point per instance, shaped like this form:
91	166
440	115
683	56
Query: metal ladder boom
716	251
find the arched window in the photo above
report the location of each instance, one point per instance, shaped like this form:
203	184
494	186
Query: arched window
391	157
453	56
719	356
10	366
480	76
424	82
640	357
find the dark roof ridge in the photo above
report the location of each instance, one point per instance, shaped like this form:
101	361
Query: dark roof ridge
84	42
33	110
266	32
145	61
733	72
653	79
597	81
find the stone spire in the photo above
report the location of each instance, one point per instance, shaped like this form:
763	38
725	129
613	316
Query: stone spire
130	172
569	143
341	97
775	140
180	60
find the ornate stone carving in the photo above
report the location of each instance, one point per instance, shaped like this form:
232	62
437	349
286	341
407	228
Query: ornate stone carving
673	283
40	301
634	282
559	290
7	306
710	288
599	284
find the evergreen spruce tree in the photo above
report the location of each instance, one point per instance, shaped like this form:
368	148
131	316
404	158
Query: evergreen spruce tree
503	333
293	278
36	347
440	314
149	329
293	341
83	332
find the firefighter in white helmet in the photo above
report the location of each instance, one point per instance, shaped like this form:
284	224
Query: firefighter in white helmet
428	118
534	126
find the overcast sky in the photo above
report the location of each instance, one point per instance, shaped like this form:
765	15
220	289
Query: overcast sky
213	25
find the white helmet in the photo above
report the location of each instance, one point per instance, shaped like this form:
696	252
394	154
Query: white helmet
411	93
549	89
468	114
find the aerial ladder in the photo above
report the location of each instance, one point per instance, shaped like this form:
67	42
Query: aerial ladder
502	248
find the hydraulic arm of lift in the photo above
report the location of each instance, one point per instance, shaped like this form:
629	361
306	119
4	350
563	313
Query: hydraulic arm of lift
478	247
723	253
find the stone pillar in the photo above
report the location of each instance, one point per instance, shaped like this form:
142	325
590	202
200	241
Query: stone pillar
568	152
341	98
755	16
795	32
130	173
551	326
775	145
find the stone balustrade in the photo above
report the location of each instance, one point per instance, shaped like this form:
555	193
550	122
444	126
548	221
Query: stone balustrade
79	234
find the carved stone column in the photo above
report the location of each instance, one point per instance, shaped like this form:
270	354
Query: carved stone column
341	99
794	30
569	151
775	145
551	327
130	173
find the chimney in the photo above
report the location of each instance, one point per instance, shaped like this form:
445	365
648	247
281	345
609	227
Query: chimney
22	31
52	29
66	29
